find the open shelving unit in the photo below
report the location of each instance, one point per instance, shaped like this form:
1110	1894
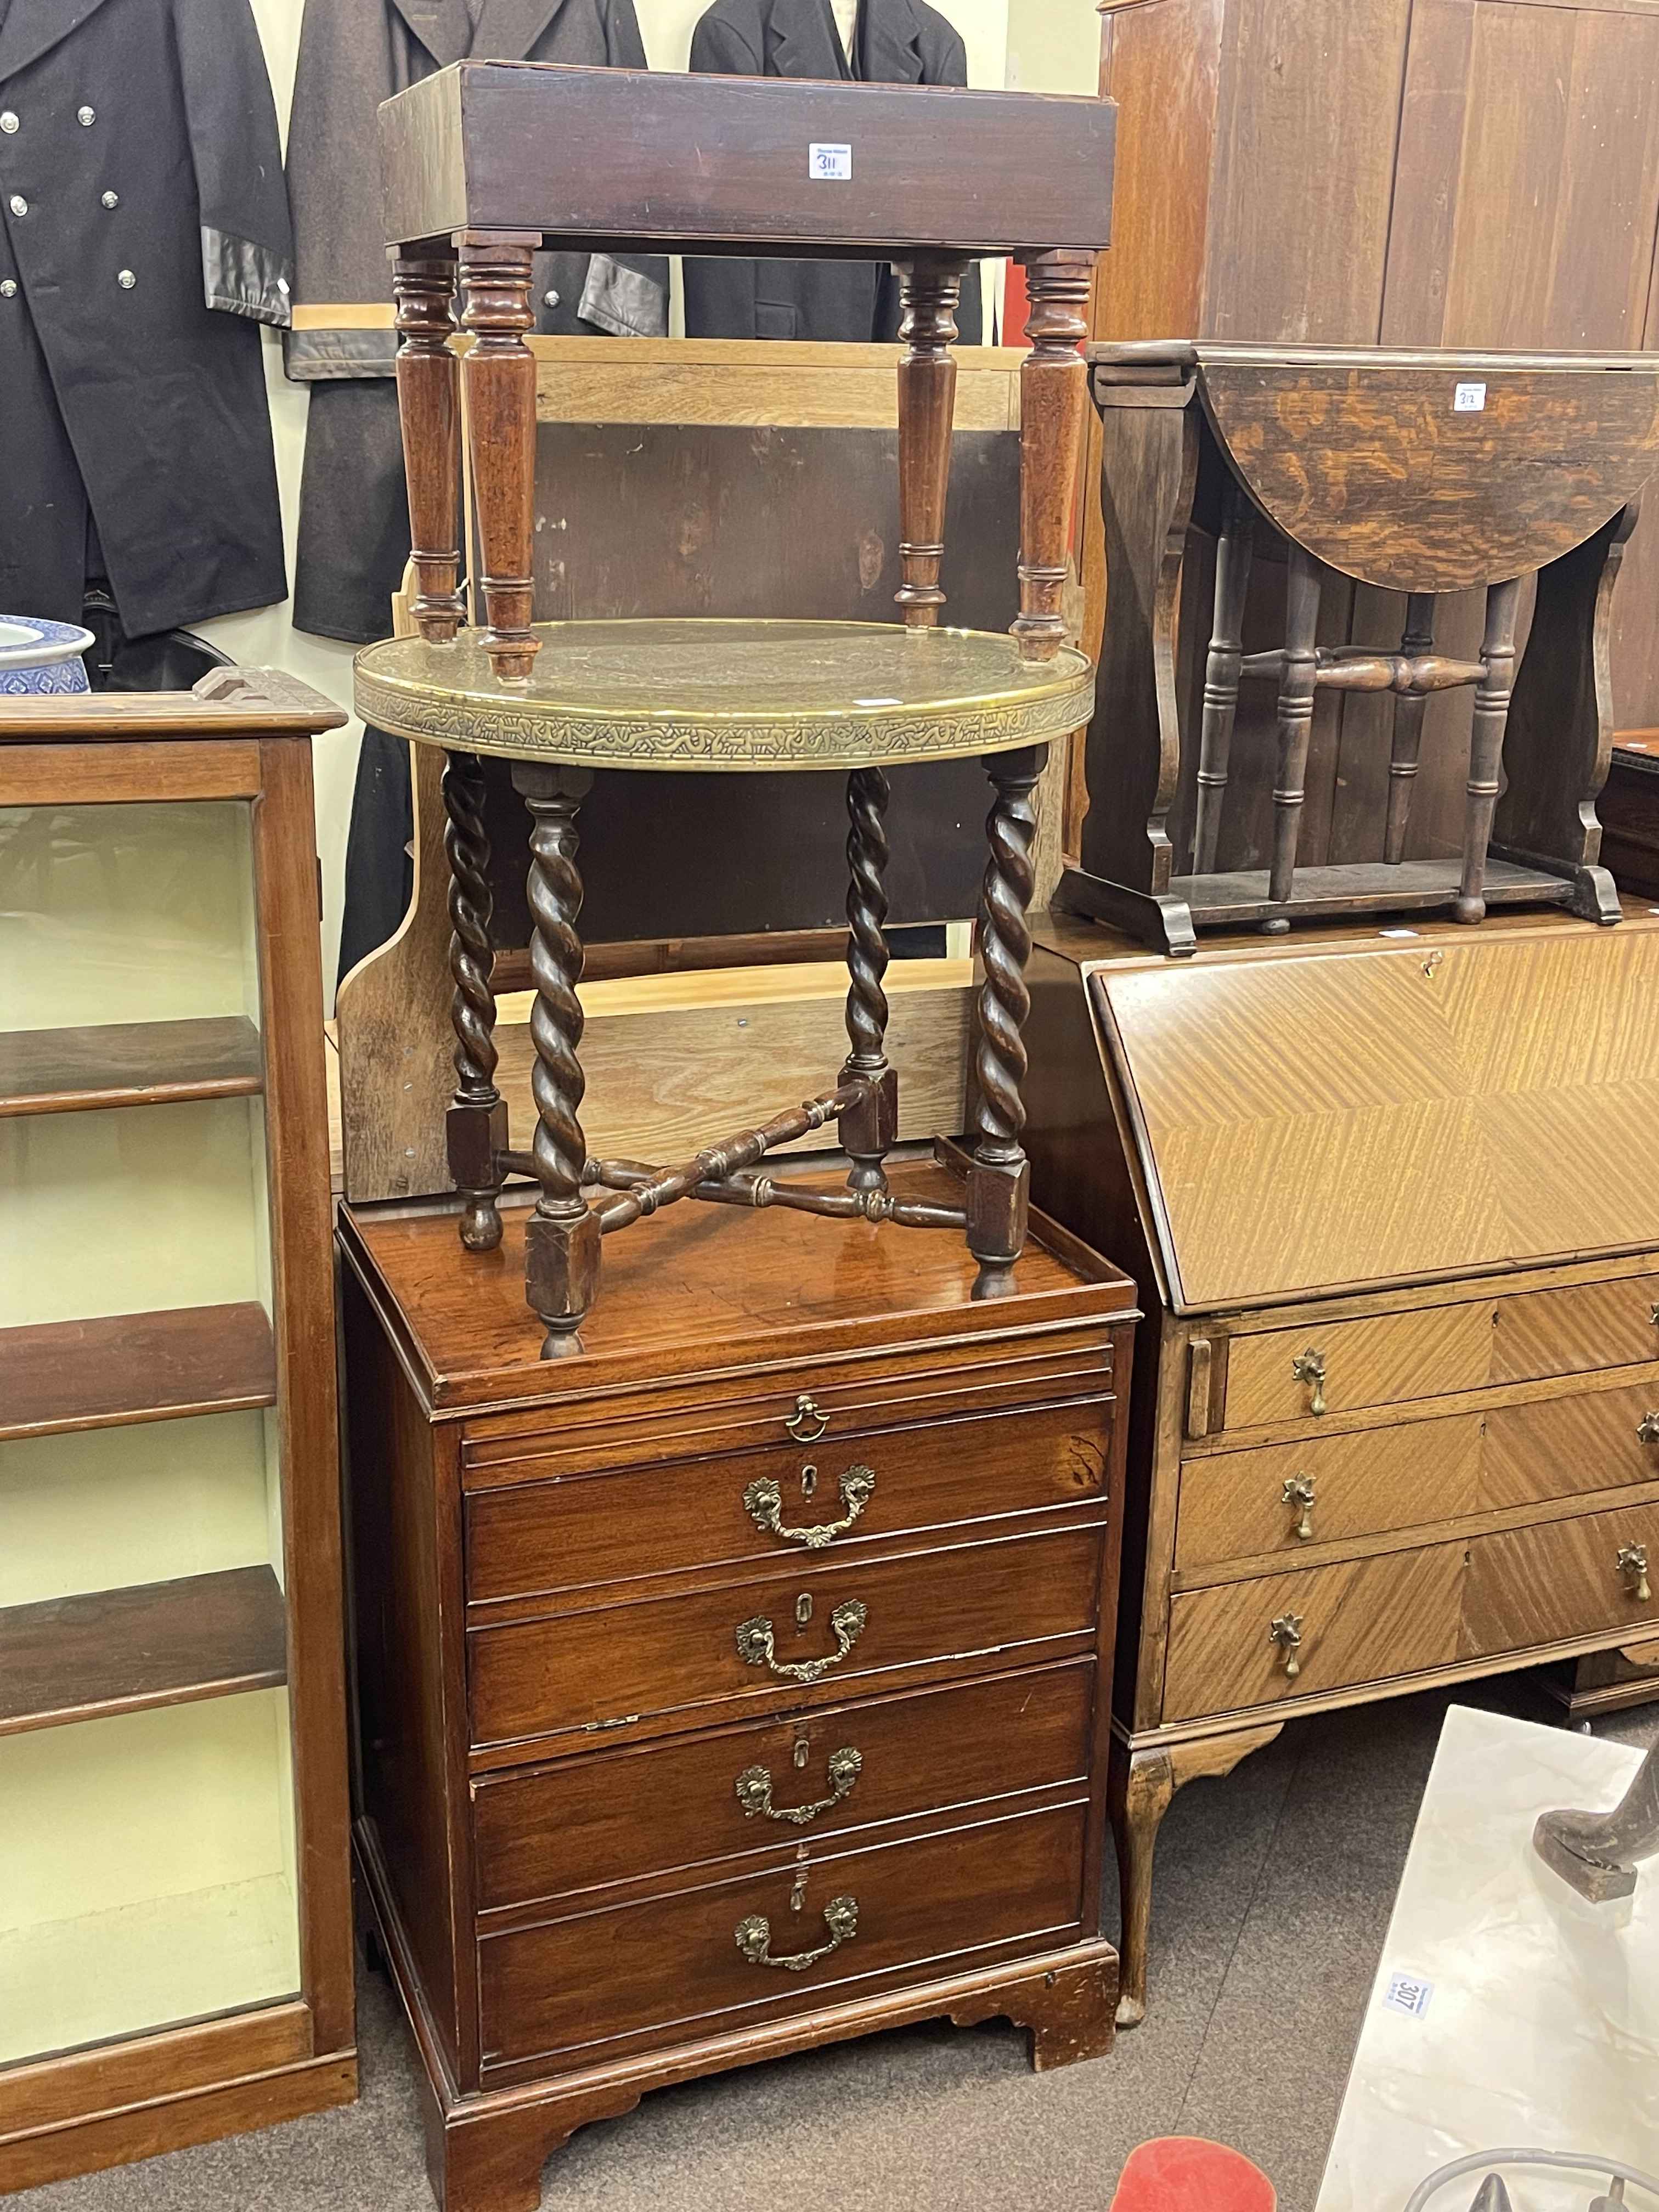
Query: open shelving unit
171	1719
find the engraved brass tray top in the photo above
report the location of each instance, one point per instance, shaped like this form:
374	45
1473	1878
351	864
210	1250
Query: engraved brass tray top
730	696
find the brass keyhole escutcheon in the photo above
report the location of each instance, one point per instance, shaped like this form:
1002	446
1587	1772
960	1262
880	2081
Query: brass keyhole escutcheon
1308	1367
1431	965
803	1753
809	1480
1633	1571
1286	1634
804	1609
1298	1495
808	1422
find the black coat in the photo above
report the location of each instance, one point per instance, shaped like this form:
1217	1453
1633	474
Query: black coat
143	237
897	42
354	524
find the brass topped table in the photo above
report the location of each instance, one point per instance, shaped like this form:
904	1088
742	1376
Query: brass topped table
474	158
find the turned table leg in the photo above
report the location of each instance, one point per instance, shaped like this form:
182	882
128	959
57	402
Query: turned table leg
429	415
476	1127
496	272
999	1177
928	394
1233	551
1053	399
1491	714
1296	710
562	1237
869	1131
1407	747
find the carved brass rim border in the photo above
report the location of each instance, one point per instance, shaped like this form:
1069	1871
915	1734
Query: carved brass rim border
526	729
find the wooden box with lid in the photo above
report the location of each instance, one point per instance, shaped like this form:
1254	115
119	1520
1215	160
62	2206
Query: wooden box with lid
1396	1422
741	1683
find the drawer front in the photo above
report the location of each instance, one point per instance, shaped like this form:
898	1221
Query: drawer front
622	1815
694	1962
1561	1447
966	1604
1563	1579
1279	1498
1576	1331
1387	1361
1362	1620
795	1503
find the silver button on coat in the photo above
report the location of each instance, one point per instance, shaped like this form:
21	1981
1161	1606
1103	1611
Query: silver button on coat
7	122
550	299
125	279
110	199
86	116
8	288
18	204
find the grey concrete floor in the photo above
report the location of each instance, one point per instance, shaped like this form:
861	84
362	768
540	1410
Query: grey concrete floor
1274	1887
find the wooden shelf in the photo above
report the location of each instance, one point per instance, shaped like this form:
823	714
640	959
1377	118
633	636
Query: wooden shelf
98	1373
1361	888
162	1643
128	1064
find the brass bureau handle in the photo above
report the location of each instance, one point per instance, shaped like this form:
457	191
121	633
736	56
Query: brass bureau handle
1308	1367
1633	1571
763	1502
1286	1635
755	1790
1647	1429
808	1422
757	1647
1298	1494
754	1934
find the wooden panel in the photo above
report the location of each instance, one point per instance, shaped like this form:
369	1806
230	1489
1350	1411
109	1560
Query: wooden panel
1543	1585
958	1606
560	1535
1364	1621
619	1817
57	775
1374	471
160	1643
128	1064
135	1367
1384	1362
671	1964
1629	807
1558	1446
1574	1332
1233	1506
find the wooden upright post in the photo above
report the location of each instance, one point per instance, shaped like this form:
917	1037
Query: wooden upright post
1053	399
496	270
429	412
927	392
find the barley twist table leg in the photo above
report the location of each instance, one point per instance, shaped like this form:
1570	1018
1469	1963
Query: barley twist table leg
870	1129
1000	1178
475	1127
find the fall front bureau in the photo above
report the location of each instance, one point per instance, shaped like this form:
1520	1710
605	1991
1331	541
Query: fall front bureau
741	1684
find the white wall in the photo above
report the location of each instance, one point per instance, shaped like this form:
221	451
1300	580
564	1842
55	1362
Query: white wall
1054	46
267	638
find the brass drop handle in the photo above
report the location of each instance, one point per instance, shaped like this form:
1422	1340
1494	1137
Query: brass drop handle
1308	1367
758	1646
1647	1429
1298	1494
1285	1635
763	1503
1633	1568
755	1790
754	1934
808	1422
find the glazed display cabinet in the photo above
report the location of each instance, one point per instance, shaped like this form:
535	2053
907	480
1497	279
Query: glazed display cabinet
176	1958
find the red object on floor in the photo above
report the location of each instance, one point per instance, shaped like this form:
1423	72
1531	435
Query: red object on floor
1182	2173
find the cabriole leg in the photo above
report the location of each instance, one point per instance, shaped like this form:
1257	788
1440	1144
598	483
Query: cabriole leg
1000	1178
869	1131
1409	713
1053	397
1296	710
1234	548
562	1237
475	1127
496	271
1491	714
429	414
927	393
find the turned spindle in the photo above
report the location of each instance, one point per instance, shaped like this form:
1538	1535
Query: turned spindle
869	1130
929	291
476	1126
1235	544
1491	716
1053	397
500	369
1296	685
429	414
1000	1176
1409	709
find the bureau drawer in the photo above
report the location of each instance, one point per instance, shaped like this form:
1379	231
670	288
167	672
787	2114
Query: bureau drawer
791	1502
691	1963
963	1605
1562	1579
1561	1447
1386	1360
1573	1332
1359	1620
620	1815
1236	1504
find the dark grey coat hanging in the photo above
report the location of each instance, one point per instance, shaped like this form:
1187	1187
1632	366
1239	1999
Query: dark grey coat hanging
354	528
897	42
143	237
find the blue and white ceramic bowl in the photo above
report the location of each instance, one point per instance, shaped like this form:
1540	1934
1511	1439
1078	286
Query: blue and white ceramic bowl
41	657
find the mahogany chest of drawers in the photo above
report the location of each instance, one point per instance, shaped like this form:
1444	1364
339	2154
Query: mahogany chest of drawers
1396	1419
741	1684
